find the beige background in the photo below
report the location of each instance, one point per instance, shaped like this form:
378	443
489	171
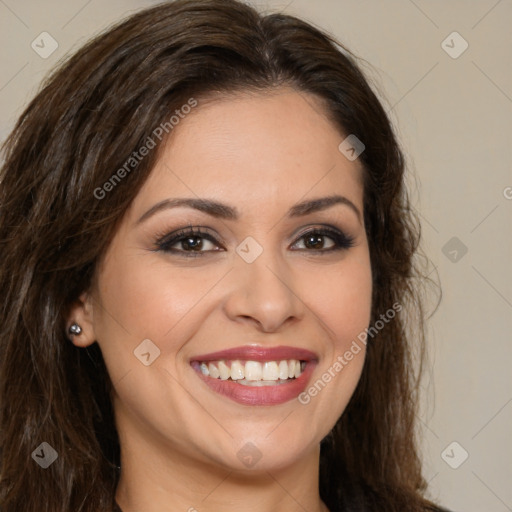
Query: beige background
454	119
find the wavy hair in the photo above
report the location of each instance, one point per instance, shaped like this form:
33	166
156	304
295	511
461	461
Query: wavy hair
88	118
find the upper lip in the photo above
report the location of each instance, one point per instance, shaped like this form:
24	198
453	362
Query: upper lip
259	353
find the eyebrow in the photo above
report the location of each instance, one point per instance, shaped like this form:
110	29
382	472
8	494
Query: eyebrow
223	211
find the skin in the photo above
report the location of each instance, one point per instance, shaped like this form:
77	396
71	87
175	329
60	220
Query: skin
179	439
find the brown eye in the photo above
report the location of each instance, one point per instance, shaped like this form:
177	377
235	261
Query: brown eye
316	241
324	240
193	242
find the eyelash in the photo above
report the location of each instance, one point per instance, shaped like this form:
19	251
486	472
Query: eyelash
165	242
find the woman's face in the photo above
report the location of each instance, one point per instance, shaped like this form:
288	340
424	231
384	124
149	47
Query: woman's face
276	269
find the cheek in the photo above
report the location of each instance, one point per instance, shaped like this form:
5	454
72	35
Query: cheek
143	300
343	299
343	303
148	299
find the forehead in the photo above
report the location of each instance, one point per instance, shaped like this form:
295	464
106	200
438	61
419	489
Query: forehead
277	146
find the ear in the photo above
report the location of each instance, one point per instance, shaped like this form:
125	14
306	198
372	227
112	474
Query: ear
81	313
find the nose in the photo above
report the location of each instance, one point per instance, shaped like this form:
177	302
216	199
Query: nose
263	293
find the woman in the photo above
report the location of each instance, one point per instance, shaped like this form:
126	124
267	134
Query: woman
208	277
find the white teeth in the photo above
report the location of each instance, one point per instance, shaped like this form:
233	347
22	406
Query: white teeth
224	371
270	371
260	383
253	370
267	372
283	370
237	371
214	371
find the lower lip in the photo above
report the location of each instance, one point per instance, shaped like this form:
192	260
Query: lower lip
262	395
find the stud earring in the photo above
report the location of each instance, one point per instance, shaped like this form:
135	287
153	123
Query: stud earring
75	330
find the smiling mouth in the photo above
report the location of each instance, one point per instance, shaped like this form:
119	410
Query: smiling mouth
252	373
256	375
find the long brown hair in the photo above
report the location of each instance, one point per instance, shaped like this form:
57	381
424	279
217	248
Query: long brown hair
89	117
